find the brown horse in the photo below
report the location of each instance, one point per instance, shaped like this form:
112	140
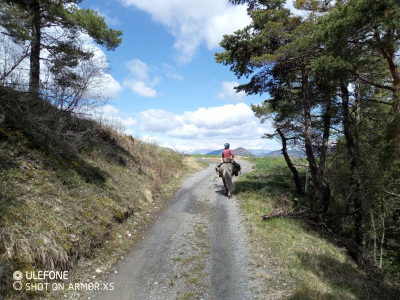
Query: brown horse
227	170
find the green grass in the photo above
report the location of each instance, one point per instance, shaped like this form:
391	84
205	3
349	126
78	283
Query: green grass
292	257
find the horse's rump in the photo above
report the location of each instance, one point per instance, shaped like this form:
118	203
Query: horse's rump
227	171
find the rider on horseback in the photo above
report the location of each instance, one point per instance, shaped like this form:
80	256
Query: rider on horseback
228	157
227	154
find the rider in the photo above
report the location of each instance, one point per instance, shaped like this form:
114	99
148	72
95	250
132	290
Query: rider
227	154
228	157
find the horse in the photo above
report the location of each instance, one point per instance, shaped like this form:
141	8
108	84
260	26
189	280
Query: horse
227	170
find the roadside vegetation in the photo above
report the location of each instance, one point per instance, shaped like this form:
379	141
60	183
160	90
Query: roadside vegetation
73	190
295	258
331	80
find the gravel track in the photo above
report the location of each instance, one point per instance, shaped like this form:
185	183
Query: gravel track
196	249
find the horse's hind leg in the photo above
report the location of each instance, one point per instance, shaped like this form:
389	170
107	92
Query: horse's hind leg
225	188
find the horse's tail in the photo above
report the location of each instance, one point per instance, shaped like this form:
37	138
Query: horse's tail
227	175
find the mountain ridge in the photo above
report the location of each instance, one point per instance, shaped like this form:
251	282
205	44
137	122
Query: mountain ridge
238	152
256	152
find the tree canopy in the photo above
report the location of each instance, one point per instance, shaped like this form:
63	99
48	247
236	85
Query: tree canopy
330	75
57	27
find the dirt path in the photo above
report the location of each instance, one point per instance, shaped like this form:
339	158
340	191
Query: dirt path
195	250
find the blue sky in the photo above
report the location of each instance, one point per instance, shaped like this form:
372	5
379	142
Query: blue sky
165	85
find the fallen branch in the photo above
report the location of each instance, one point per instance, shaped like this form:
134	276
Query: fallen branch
297	212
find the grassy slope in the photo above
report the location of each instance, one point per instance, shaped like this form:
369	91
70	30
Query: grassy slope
294	261
73	194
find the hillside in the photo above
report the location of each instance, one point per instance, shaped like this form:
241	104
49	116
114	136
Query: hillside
71	189
241	152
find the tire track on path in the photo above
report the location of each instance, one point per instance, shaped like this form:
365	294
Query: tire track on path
196	249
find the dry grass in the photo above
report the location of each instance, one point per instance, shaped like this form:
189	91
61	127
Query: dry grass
63	206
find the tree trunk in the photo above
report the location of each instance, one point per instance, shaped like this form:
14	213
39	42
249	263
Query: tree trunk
326	190
316	177
34	76
351	133
289	163
356	185
389	55
325	138
308	129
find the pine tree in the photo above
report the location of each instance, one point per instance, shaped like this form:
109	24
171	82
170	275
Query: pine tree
27	21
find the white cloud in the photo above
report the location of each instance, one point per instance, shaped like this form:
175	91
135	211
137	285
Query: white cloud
104	86
140	88
228	121
221	116
139	80
218	143
171	72
112	114
229	93
112	87
158	120
128	122
110	110
138	68
193	23
192	130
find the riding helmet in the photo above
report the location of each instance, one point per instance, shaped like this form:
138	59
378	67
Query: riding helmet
226	145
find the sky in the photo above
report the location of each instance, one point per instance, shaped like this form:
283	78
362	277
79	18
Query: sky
164	85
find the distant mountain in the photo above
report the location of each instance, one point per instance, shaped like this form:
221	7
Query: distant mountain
275	153
202	151
290	152
238	152
215	152
260	152
242	152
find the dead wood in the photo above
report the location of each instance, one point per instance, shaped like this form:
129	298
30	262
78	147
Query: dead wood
297	212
